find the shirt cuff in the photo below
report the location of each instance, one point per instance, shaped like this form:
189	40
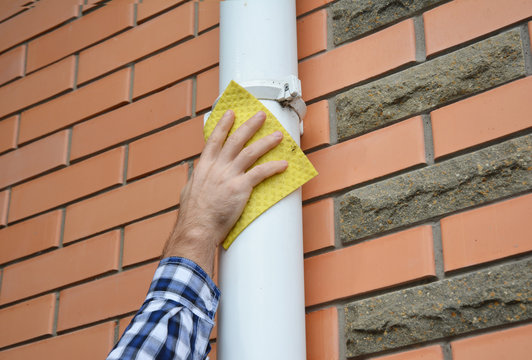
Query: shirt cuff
183	281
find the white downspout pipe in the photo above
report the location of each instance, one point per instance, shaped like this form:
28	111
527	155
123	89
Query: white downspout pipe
262	308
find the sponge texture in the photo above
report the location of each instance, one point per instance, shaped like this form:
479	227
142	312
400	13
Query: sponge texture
275	188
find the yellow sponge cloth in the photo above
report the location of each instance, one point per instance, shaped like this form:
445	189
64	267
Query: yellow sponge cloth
273	189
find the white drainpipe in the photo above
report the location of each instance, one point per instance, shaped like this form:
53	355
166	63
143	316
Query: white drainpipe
262	308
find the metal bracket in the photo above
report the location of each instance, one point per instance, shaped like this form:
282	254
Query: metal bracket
287	92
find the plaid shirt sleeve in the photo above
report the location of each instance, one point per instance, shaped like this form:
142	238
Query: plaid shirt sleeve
177	317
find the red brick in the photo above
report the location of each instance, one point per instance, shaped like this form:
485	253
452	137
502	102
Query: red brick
150	8
318	225
322	334
316	130
192	56
144	240
490	115
451	24
207	88
345	66
501	345
65	185
125	204
61	267
488	233
36	20
87	344
312	34
304	6
27	320
104	298
38	86
33	159
208	14
401	257
165	147
133	44
81	33
76	106
12	64
426	353
132	120
10	8
123	323
367	157
8	133
34	235
4	202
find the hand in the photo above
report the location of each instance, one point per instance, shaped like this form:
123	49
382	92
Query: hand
220	186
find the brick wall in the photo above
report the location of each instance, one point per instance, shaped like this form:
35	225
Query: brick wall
416	232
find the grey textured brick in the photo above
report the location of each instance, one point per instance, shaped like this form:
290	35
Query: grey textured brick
468	180
496	296
478	67
352	18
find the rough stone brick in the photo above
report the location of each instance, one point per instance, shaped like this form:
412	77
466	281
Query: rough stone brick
492	297
462	73
468	180
354	18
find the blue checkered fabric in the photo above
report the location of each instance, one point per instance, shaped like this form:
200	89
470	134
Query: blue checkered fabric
177	317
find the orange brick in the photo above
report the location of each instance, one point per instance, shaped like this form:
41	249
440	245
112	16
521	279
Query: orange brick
207	88
344	66
318	225
81	33
10	8
33	159
123	323
12	64
316	129
78	105
427	353
367	157
27	320
150	8
192	56
34	235
4	201
104	298
65	185
304	6
501	345
125	204
36	20
400	257
208	14
144	240
133	44
38	86
132	120
312	34
165	147
8	133
481	118
322	334
451	24
87	344
488	233
61	267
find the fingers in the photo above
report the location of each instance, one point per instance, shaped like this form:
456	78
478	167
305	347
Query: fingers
256	175
241	136
219	134
251	153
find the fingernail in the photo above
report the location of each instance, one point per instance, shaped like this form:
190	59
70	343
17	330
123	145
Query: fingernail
228	113
278	134
261	115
